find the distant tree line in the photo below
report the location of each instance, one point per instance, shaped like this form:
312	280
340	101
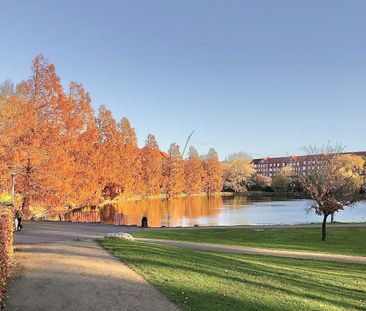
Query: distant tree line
239	174
65	155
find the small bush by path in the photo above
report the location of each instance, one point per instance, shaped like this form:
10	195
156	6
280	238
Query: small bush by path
6	247
345	240
202	280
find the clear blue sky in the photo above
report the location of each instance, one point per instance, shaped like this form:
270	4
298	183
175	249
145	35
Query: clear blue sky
266	77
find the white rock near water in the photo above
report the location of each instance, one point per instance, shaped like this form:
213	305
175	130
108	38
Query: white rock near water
120	235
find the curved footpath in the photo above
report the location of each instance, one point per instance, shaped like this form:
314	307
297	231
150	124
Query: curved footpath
59	267
256	251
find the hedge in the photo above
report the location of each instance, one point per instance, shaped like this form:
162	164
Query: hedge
6	247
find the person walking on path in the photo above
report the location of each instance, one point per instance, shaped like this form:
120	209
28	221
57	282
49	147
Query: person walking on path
18	220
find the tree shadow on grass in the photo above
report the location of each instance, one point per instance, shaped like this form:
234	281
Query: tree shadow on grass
277	279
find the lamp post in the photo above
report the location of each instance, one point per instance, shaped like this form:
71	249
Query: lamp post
13	171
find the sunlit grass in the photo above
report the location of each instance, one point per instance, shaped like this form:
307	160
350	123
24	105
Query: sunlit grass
349	241
198	280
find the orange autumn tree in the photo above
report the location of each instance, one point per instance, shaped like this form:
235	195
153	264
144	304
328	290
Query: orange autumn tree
131	169
7	112
49	139
84	181
213	172
33	137
151	159
173	172
108	154
193	173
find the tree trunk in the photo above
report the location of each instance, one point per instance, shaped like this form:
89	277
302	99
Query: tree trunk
324	229
25	206
332	217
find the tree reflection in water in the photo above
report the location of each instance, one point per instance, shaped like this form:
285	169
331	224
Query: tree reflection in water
172	212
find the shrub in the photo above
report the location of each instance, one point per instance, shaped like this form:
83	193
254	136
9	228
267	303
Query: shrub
6	247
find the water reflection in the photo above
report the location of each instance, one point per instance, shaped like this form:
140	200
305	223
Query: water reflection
210	211
160	213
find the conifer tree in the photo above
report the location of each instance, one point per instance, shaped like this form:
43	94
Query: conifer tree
213	172
173	172
193	173
108	153
151	159
130	160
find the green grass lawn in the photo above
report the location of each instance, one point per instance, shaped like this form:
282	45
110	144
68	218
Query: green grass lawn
199	280
349	241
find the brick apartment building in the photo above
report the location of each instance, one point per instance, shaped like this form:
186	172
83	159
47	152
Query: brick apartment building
300	164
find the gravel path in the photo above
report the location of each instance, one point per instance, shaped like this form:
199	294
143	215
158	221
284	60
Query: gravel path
61	268
257	251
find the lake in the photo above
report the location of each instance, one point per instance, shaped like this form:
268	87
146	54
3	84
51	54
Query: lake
212	211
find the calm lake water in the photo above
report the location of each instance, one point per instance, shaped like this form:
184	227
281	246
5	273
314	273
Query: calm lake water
212	211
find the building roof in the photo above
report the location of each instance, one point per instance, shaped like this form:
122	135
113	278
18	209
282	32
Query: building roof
298	158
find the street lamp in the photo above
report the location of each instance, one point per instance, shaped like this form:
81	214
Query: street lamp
13	171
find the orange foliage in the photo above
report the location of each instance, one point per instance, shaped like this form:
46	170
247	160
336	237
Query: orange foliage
64	155
36	136
193	173
173	172
151	159
131	168
213	173
108	149
6	247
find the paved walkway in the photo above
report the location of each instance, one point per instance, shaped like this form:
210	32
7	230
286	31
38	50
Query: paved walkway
60	267
257	251
55	272
52	231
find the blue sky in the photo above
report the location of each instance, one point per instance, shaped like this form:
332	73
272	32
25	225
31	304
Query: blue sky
266	77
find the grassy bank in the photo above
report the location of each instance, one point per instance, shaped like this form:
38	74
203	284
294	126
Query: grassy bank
198	280
348	241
